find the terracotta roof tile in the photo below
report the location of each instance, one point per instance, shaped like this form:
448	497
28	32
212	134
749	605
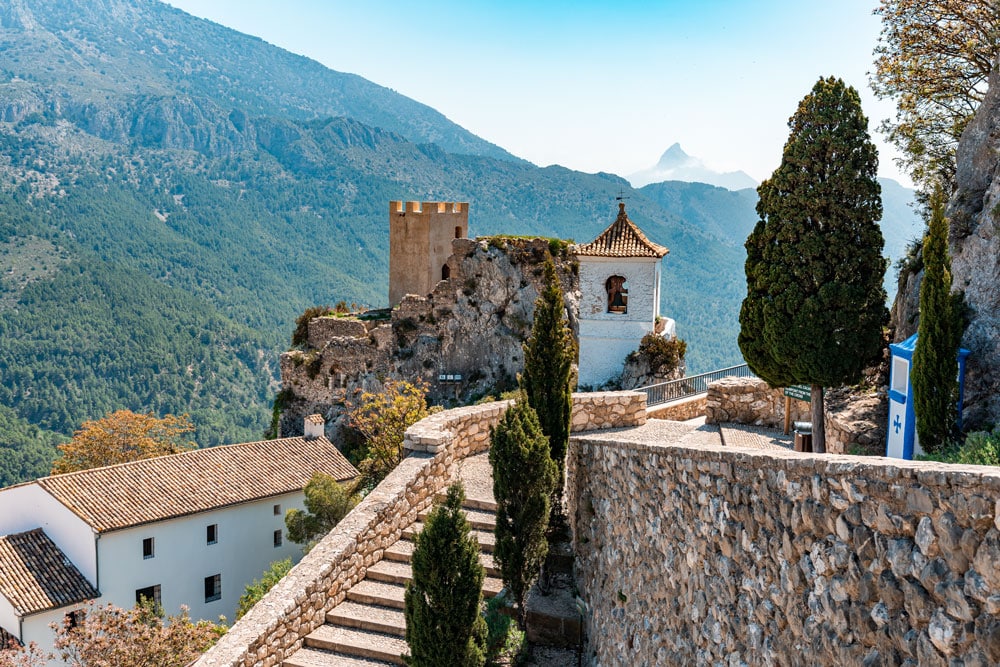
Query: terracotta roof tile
130	494
621	239
35	575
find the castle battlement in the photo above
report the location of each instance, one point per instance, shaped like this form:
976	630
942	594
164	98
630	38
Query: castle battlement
452	207
420	236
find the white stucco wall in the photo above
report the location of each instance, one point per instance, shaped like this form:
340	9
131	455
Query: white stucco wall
607	338
29	506
8	618
182	558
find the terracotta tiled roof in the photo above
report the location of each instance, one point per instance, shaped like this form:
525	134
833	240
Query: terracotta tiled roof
129	494
315	419
35	575
621	239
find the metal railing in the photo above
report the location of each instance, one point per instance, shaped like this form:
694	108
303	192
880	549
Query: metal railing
674	390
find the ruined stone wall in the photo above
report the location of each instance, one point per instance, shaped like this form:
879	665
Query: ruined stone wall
711	555
471	325
274	629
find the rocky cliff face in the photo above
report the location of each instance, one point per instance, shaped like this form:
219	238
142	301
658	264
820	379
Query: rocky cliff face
470	327
974	214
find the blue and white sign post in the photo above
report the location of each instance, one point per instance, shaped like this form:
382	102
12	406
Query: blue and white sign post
901	440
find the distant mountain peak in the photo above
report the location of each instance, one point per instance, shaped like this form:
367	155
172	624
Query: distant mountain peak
676	165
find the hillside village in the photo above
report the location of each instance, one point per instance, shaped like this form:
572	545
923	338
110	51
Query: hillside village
756	513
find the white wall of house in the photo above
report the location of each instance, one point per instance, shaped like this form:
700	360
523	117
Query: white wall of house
607	338
29	506
8	618
37	628
182	558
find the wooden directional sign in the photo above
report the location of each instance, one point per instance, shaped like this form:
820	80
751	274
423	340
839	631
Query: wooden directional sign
799	391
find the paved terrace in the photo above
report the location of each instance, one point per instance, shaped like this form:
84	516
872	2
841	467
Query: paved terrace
696	432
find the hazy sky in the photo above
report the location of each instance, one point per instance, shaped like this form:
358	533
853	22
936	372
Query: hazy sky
592	85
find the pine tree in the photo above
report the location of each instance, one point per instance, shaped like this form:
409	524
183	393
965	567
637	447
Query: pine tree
548	361
935	359
443	625
815	305
524	477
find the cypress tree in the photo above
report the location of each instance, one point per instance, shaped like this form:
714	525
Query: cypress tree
815	305
443	625
548	361
524	477
935	360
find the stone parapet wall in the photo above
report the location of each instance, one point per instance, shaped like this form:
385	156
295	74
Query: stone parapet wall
853	423
679	411
274	629
607	409
709	555
749	401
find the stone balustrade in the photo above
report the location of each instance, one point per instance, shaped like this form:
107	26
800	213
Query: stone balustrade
712	555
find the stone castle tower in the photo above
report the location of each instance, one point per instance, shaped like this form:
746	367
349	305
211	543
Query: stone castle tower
619	298
420	237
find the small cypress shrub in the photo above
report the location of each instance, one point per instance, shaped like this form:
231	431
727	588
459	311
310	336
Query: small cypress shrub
548	360
443	625
935	359
524	477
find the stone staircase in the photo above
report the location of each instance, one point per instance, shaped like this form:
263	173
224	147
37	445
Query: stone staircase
368	627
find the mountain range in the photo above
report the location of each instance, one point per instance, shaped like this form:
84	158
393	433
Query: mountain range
174	193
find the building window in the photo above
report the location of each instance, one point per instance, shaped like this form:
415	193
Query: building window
617	294
445	272
277	538
212	534
213	588
150	594
75	618
458	231
147	547
277	510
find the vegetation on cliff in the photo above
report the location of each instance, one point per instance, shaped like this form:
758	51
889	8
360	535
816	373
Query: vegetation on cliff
815	305
934	58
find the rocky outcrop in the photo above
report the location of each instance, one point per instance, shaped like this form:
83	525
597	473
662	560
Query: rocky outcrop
463	340
974	214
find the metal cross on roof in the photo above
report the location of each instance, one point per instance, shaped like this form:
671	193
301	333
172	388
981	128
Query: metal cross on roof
621	195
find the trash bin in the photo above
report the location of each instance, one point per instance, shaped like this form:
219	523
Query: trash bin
803	436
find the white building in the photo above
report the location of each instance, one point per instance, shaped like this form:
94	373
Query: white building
619	298
192	528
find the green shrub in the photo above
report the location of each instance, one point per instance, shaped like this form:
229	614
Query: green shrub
259	588
981	448
524	477
301	333
443	625
661	352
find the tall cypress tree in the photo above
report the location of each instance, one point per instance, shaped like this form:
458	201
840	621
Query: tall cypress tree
524	477
935	359
548	361
443	625
815	305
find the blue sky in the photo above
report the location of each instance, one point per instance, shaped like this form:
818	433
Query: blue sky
594	86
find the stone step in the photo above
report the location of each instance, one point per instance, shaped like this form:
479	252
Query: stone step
391	595
368	617
485	503
485	538
390	572
360	643
312	657
377	593
478	519
402	552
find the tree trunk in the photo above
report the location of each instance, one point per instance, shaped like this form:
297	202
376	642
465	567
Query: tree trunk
816	413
